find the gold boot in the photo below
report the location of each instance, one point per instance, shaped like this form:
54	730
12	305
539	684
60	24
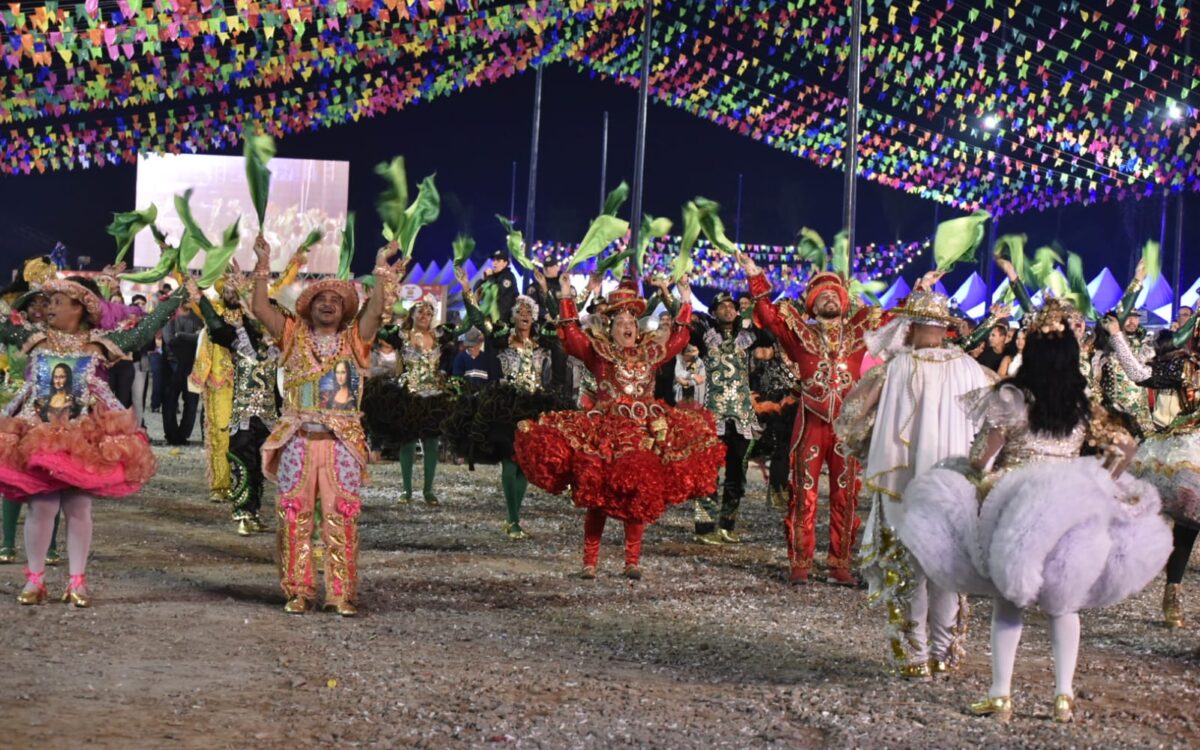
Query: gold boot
1173	605
918	672
1064	706
7	555
1001	708
297	605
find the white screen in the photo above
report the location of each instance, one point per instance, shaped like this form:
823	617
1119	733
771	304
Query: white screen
305	194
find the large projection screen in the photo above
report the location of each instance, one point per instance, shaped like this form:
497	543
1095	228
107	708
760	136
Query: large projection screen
306	194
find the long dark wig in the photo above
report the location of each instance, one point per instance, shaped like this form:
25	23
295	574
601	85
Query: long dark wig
1054	386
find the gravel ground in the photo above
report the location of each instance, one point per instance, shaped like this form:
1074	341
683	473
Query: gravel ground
466	639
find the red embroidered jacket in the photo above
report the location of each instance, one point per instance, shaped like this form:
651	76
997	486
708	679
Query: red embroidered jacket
621	375
826	359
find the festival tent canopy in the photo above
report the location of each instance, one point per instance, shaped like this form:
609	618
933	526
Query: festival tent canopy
1105	292
1191	295
971	297
898	291
1157	299
1007	106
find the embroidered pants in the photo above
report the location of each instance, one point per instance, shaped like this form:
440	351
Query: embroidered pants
818	446
324	469
218	407
245	461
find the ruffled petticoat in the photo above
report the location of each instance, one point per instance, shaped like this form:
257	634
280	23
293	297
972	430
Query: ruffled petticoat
482	427
1171	462
394	415
628	459
103	453
1063	535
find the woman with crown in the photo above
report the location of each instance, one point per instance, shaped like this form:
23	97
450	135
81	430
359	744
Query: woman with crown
1029	519
628	456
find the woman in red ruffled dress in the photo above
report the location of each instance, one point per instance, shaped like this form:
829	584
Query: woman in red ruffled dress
629	456
65	438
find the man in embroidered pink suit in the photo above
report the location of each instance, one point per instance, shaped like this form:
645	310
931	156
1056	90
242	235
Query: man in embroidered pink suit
318	449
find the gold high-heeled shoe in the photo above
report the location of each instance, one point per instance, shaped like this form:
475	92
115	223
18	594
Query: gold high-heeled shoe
1001	708
1064	708
38	595
72	595
345	609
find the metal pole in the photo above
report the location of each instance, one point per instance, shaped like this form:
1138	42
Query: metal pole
512	195
603	164
1162	225
1179	281
531	198
850	151
639	158
990	276
737	221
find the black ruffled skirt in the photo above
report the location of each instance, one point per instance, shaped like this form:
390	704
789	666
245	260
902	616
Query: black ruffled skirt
483	426
394	416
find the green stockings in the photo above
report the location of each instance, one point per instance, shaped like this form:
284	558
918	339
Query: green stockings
10	511
408	455
514	482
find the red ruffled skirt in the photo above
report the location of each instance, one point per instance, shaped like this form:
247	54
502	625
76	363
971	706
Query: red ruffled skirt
629	460
103	453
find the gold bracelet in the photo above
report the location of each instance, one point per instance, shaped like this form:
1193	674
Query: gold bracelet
262	273
383	272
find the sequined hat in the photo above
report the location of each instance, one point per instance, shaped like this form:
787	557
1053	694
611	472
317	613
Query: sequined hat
824	282
928	308
91	302
626	297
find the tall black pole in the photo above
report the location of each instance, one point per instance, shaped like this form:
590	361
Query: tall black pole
639	158
737	221
1162	226
850	152
512	195
603	163
531	198
989	277
1177	300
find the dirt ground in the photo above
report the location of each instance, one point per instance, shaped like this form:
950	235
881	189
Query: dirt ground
466	639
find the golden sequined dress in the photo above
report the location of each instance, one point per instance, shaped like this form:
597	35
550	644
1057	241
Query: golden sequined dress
1045	525
628	455
401	409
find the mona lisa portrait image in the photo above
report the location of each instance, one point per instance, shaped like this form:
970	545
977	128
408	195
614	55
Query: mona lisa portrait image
60	386
338	388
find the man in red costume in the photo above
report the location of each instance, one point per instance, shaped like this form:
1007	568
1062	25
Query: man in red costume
825	344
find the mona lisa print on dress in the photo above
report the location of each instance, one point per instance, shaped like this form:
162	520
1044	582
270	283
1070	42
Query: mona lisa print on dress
61	382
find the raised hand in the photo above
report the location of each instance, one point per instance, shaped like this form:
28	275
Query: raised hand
386	252
1112	325
1140	272
193	289
1006	266
928	280
683	286
262	252
747	264
540	277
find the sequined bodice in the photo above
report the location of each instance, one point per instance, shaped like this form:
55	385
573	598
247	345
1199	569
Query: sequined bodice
421	374
628	374
522	367
1023	446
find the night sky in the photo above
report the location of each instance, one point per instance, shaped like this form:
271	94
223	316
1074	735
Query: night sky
471	140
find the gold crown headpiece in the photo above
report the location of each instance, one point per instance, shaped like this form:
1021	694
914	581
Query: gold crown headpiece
1053	318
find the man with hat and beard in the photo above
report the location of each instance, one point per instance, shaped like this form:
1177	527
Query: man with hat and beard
825	341
901	419
318	448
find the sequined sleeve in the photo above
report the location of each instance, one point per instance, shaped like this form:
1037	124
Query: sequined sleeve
1137	371
856	422
1108	438
143	333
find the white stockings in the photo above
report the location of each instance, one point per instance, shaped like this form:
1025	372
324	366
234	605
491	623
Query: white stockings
39	526
1006	635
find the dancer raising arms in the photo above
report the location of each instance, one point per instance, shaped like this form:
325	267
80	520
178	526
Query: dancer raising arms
628	456
65	438
318	449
